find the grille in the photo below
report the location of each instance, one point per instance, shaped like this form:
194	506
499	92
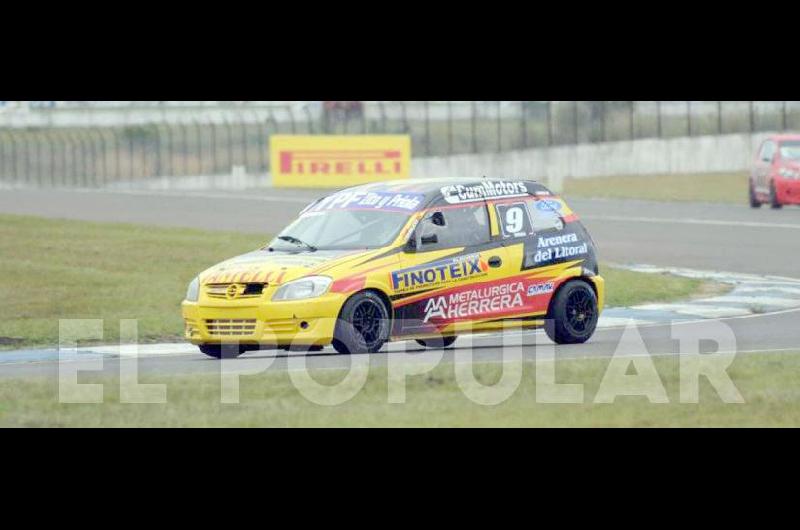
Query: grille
231	328
243	290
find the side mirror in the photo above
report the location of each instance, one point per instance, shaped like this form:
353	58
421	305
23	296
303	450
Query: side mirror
416	241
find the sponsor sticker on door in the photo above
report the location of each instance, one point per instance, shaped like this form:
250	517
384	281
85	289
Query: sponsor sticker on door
338	161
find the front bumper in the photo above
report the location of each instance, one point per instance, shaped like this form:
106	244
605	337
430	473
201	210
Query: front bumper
788	191
300	323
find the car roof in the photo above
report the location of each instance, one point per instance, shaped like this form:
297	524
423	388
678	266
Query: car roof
432	187
785	137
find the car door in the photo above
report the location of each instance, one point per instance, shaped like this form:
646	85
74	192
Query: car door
455	274
763	166
520	223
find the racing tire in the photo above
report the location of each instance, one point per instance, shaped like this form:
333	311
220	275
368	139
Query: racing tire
573	314
222	351
437	344
363	325
754	202
773	198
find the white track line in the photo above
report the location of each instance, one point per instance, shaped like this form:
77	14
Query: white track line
697	310
305	201
753	300
761	289
670	354
709	222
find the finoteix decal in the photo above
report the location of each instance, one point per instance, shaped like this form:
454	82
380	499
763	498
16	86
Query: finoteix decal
490	189
438	273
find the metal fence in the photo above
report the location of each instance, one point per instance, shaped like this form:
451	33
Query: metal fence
95	156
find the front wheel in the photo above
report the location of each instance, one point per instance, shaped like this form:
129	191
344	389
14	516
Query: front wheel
754	202
773	197
363	325
573	314
437	344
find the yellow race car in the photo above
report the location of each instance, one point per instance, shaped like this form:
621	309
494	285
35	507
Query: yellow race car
422	260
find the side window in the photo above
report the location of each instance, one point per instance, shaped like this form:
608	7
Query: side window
464	227
515	220
768	152
546	215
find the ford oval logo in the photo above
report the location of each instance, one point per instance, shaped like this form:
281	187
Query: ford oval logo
547	205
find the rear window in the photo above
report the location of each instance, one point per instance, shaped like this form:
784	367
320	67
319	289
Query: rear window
547	214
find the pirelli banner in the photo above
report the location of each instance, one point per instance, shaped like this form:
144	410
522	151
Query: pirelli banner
338	161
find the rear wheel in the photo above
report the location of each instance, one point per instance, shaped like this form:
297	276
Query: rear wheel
773	197
754	202
444	342
222	351
573	314
363	325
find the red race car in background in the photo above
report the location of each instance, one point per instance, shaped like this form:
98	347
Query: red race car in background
775	179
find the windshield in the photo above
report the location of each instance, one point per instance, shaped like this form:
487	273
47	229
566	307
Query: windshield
790	150
341	230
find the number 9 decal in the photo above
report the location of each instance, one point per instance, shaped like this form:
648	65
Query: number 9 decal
515	221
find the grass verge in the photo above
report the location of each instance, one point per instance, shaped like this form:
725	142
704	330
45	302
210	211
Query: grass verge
626	288
53	269
708	187
767	383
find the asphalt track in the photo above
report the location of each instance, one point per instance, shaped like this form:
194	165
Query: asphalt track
730	238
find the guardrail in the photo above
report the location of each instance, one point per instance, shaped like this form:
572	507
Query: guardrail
212	141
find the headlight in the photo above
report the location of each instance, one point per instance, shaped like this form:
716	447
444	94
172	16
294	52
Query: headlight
193	292
304	288
788	173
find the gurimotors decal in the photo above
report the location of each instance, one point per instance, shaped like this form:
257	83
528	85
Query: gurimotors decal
489	300
490	189
438	273
559	247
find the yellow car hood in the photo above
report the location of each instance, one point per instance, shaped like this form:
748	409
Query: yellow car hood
277	268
